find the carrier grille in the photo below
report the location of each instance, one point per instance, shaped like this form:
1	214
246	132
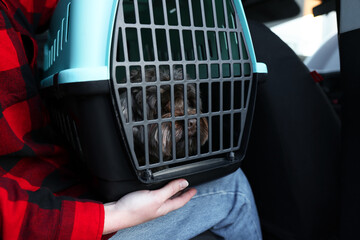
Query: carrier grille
166	51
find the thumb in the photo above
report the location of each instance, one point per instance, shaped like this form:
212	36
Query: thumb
172	188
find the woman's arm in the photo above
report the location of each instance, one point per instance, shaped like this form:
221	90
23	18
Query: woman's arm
142	206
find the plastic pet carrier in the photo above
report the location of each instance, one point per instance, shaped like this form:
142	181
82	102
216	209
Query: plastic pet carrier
151	90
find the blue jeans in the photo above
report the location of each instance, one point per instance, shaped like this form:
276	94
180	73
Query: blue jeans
225	206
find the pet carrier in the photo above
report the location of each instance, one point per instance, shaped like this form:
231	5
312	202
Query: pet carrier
151	90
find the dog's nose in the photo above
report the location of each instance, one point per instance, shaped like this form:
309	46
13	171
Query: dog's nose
192	126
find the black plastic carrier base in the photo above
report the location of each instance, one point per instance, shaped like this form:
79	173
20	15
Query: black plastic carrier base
179	101
84	114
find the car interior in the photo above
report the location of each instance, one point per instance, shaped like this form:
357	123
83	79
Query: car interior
301	160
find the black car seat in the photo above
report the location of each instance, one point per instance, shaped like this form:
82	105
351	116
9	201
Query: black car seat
292	161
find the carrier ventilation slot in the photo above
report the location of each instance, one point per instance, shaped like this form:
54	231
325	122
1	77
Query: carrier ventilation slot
53	51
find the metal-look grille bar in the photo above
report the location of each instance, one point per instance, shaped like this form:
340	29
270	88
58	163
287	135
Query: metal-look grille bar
165	64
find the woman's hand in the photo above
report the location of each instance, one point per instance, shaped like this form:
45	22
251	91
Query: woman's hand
142	206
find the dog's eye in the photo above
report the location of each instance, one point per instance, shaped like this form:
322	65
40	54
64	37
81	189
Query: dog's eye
191	103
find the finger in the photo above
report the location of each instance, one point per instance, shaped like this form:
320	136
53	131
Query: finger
171	188
178	202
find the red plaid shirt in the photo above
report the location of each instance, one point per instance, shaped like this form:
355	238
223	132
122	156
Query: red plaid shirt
33	177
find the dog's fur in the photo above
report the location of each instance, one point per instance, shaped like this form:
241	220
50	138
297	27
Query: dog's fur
166	128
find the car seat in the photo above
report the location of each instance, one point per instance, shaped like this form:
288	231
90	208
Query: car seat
292	158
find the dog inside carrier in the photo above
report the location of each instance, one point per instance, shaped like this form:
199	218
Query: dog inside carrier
146	91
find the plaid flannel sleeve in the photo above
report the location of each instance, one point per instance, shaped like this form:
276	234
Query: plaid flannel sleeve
29	167
34	13
28	213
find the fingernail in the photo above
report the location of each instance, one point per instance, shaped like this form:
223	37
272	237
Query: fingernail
184	184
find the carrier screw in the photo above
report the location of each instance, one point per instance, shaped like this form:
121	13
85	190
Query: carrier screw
147	175
231	156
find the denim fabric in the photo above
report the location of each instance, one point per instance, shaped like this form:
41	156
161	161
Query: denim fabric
225	206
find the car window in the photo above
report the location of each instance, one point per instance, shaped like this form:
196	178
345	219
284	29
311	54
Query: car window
306	34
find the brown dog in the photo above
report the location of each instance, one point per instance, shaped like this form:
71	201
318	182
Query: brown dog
166	112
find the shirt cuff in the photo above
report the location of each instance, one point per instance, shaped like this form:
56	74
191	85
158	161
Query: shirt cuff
81	220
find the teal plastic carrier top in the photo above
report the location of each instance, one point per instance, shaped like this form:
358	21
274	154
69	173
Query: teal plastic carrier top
80	41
